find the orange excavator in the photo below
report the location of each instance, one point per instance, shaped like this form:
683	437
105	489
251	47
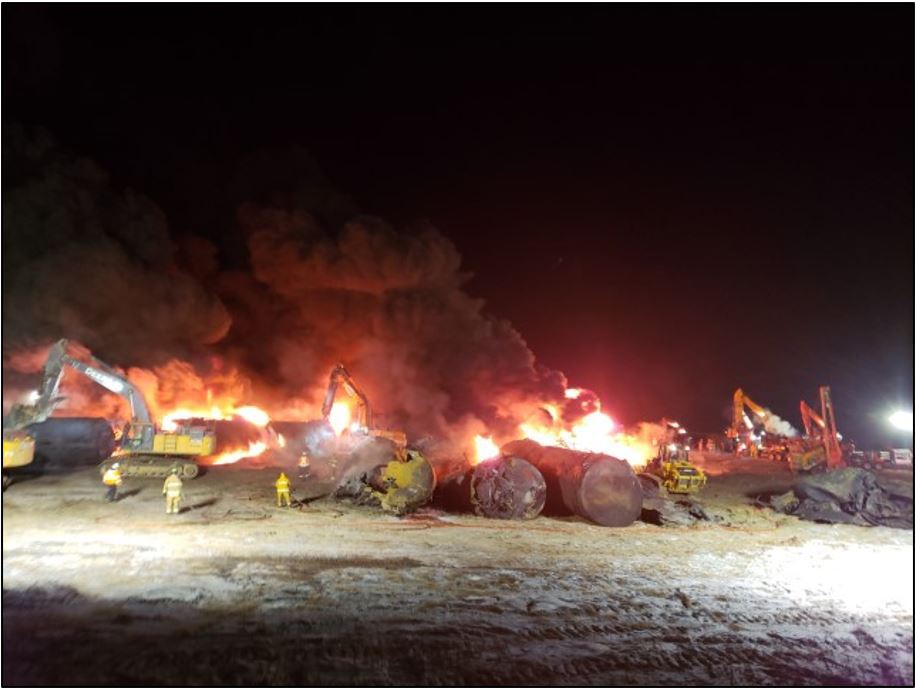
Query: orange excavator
742	425
820	428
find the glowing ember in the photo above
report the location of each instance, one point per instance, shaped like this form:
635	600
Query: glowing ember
485	449
573	393
253	415
339	417
254	449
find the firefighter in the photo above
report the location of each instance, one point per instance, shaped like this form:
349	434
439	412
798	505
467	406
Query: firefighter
282	490
112	479
172	491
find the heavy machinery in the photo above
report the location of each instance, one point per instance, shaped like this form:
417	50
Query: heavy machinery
18	450
18	441
399	485
821	441
742	426
364	419
144	450
671	469
749	438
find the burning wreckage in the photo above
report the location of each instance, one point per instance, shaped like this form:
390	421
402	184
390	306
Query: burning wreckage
566	459
561	469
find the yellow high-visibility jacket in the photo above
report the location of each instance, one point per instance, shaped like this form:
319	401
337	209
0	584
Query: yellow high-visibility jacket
172	486
112	477
282	485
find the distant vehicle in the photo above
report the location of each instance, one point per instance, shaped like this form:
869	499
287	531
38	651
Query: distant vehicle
887	458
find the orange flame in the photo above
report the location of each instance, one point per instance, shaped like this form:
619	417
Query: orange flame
485	448
339	417
254	415
253	449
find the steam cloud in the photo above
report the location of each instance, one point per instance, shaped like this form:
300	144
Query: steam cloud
779	426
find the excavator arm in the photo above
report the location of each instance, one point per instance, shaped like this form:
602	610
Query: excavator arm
741	400
100	373
811	419
822	427
340	376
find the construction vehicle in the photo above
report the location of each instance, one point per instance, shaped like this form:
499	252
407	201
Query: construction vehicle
18	450
404	482
880	459
749	438
820	446
671	469
143	450
18	441
364	421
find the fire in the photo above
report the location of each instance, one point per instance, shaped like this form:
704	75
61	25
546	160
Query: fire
253	415
485	449
254	449
339	417
170	420
226	411
595	432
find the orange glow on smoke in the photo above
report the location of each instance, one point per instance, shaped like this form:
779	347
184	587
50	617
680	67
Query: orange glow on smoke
484	448
573	393
339	417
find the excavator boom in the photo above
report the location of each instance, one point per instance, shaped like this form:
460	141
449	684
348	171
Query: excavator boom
145	450
741	400
340	375
821	427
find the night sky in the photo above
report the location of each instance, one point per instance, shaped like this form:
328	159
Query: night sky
667	202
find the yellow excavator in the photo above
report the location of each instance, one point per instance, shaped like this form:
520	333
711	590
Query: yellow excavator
743	426
144	450
406	481
364	418
18	442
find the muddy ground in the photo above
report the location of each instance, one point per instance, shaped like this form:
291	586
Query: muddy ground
234	590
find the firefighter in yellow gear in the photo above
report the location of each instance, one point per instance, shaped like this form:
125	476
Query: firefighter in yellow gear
112	479
282	490
172	491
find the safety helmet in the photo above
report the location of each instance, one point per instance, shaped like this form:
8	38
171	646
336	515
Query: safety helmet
115	464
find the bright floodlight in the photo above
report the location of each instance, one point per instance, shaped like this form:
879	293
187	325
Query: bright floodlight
902	420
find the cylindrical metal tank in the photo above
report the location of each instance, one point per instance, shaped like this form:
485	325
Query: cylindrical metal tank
71	442
598	487
506	487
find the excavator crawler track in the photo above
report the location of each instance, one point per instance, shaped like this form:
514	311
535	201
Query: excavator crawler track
150	466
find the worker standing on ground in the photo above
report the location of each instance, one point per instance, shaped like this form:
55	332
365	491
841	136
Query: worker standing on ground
172	491
282	490
112	479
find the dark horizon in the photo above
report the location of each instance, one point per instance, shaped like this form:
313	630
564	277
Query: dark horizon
666	202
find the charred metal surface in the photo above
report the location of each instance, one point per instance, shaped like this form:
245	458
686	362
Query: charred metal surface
507	487
597	487
503	487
